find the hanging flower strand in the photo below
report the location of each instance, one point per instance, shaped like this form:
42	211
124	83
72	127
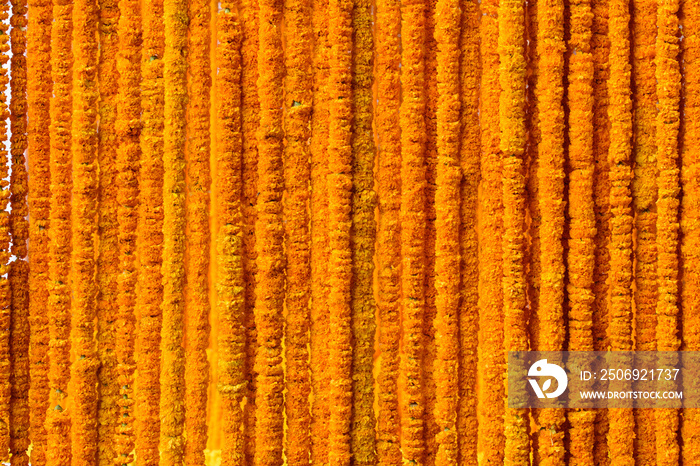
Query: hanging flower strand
297	172
228	187
172	371
150	233
581	259
39	93
58	421
108	230
319	237
388	131
19	269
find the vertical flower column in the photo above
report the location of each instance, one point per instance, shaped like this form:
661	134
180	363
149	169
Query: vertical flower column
5	241
19	228
447	226
581	210
250	120
690	214
297	172
490	438
197	305
318	148
108	231
229	236
600	49
269	423
470	151
39	197
619	155
339	227
362	239
58	421
550	178
84	209
172	366
388	130
512	126
644	195
668	77
128	128
150	237
412	220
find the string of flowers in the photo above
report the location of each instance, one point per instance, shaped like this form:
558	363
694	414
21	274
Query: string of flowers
491	439
430	428
388	59
690	212
319	237
5	241
128	127
228	187
362	240
108	231
468	320
84	204
644	194
150	236
19	229
297	172
550	178
580	257
412	219
339	221
269	244
172	371
512	125
250	119
197	305
38	144
447	225
620	113
668	90
58	421
600	48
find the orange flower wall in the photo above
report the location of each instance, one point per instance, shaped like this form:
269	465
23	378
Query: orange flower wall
307	232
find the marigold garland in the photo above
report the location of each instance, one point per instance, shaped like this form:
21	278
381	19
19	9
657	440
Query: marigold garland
690	212
468	319
297	172
447	245
412	219
58	421
228	187
339	187
108	230
582	229
128	127
362	241
250	120
491	438
197	305
19	229
388	236
668	78
150	237
38	144
5	241
620	113
319	237
644	192
172	371
269	232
